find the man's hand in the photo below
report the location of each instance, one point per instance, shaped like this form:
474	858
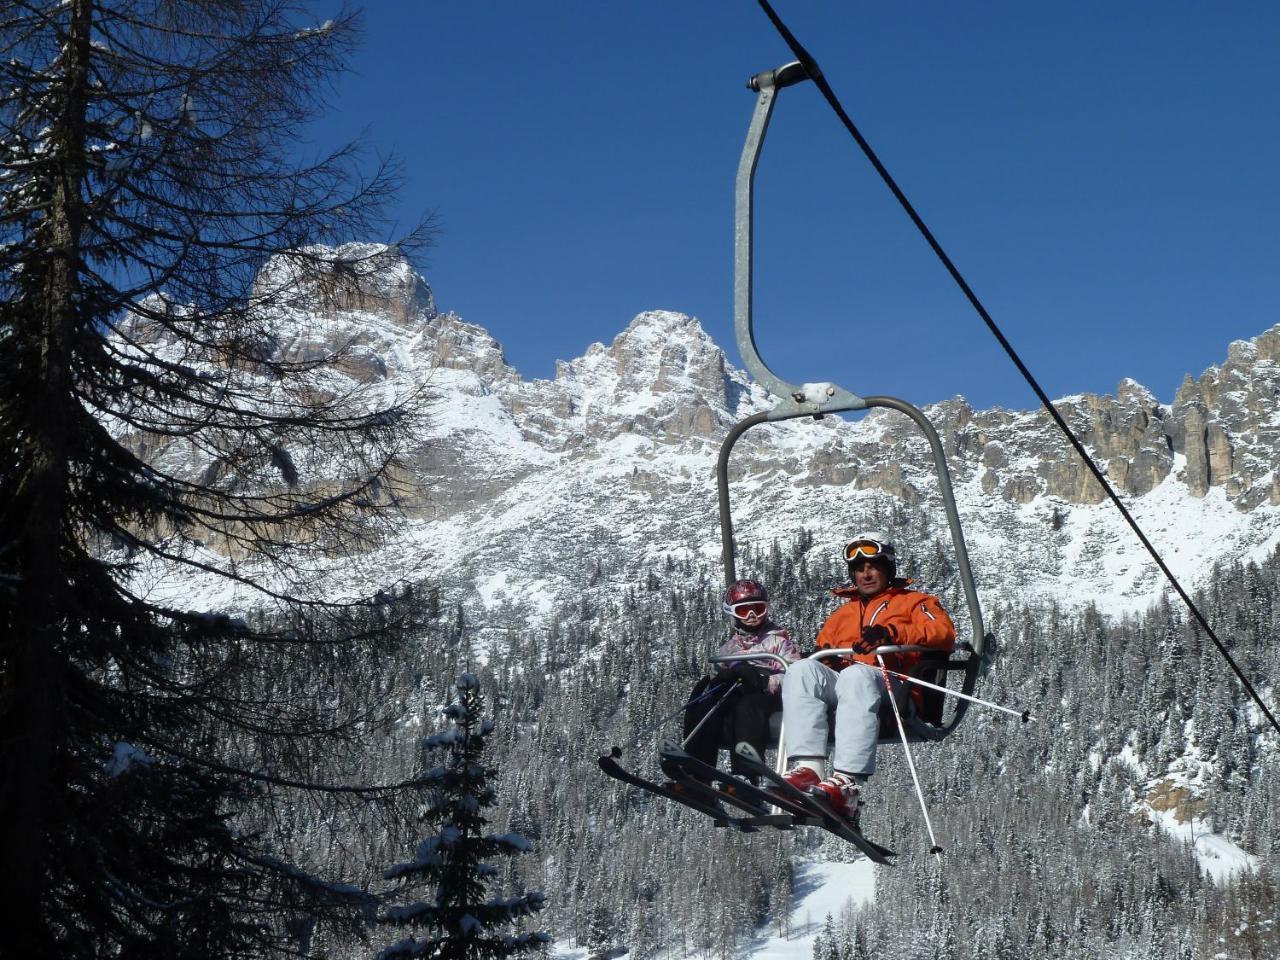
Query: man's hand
874	636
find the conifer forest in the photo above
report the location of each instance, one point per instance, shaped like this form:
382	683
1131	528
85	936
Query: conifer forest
1044	854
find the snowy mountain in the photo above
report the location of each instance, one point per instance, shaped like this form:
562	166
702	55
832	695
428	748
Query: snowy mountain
533	490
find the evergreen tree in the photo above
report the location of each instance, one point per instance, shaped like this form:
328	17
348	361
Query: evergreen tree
452	862
147	420
826	944
781	893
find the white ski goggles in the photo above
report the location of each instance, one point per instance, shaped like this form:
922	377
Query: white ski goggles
748	608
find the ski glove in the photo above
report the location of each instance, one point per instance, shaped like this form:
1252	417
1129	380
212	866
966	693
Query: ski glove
874	636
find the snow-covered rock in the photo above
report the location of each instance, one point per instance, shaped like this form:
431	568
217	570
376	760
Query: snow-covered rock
532	490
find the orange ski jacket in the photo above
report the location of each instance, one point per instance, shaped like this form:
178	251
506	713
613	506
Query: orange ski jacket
912	617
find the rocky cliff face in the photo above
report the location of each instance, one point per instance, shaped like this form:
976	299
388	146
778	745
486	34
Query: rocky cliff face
1223	426
533	487
1226	422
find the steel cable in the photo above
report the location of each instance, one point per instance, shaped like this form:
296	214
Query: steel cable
815	74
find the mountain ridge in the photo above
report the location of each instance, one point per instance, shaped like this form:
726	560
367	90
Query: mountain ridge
529	488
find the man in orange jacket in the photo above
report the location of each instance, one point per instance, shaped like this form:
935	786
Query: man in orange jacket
881	610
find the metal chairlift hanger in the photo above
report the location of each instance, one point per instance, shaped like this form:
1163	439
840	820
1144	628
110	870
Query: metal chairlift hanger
818	399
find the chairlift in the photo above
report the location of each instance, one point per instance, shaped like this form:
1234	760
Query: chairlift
704	787
929	720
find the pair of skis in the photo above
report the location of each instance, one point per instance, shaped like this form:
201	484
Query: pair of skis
715	793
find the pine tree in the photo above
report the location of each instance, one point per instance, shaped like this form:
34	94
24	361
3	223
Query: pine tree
452	861
781	892
147	181
826	945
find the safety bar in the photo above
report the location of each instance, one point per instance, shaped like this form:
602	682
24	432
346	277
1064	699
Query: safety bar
919	730
746	657
828	652
900	648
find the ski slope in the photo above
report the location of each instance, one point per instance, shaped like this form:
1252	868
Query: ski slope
821	890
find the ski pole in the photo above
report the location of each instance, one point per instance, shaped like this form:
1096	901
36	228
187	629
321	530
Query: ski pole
671	716
902	732
1025	715
711	713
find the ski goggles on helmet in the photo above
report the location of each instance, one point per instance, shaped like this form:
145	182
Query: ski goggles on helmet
748	608
865	549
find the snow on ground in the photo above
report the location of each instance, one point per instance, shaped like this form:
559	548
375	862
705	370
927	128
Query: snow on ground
821	890
1218	856
491	587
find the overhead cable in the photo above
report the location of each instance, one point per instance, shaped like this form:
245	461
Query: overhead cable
815	74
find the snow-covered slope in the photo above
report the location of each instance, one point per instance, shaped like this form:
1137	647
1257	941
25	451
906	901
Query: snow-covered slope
822	891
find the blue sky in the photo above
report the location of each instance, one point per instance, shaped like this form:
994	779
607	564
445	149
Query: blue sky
1104	174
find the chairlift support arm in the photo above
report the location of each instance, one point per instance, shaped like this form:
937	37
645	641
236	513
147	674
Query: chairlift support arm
810	399
794	399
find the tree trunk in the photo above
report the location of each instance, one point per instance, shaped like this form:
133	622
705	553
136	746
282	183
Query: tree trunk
36	726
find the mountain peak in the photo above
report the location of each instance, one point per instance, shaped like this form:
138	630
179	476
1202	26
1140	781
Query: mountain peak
663	352
662	325
450	342
662	376
368	278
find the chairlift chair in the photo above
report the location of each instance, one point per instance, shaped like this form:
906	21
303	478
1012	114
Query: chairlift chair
928	720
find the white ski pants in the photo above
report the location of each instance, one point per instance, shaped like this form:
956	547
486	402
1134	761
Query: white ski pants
809	690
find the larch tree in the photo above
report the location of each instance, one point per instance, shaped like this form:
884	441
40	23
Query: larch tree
461	921
154	227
